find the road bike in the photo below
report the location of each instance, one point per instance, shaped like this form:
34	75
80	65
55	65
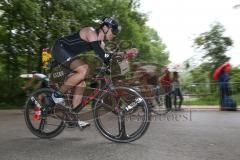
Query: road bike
120	114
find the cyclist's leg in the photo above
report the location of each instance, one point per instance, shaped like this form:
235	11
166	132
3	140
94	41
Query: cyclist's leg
80	69
64	57
78	94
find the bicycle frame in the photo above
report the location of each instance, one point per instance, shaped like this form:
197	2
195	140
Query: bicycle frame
106	88
95	92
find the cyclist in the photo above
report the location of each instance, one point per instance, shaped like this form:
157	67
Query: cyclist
165	82
66	48
38	80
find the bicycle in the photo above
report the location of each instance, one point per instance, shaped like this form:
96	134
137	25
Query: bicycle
109	104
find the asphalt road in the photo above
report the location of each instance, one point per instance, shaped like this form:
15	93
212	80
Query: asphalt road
210	135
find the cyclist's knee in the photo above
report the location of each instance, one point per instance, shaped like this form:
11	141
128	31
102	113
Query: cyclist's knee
82	84
83	70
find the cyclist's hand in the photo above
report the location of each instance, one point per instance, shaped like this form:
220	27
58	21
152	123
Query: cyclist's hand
107	58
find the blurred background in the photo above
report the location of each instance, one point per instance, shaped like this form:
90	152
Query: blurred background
28	26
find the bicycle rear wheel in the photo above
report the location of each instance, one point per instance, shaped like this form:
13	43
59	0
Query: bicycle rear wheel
48	125
121	115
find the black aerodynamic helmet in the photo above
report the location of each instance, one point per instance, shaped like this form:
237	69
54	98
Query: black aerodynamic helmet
110	22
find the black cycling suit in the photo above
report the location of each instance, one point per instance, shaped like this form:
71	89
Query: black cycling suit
68	47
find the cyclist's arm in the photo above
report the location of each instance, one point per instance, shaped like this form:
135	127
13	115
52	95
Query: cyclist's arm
100	52
97	46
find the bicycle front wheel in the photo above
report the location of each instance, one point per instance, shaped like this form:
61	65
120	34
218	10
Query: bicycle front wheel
48	125
121	115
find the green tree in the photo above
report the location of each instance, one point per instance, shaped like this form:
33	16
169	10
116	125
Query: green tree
18	26
154	50
214	45
27	26
235	79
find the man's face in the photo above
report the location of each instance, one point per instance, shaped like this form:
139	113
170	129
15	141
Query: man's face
110	35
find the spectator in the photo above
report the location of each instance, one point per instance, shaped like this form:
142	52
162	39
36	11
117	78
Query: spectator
176	91
223	84
165	82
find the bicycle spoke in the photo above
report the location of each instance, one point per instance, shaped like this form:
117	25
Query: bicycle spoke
107	107
49	124
42	125
121	127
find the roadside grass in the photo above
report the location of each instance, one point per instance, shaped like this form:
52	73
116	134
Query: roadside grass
208	100
203	100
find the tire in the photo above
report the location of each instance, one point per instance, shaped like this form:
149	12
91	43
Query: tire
42	128
112	106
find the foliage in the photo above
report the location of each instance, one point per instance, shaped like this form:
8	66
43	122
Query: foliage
27	26
214	44
208	100
205	100
235	80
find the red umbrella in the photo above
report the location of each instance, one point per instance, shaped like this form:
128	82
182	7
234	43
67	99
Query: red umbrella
216	73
